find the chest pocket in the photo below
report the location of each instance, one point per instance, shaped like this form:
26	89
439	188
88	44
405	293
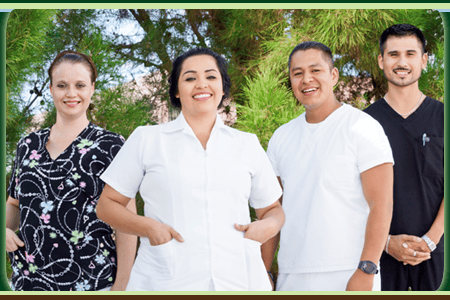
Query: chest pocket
340	172
432	156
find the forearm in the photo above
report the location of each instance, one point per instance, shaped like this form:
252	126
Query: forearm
268	250
120	218
12	215
276	218
377	185
437	229
377	230
126	252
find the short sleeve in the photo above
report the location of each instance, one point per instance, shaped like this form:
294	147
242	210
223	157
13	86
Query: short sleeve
265	188
12	191
114	143
126	171
271	153
373	146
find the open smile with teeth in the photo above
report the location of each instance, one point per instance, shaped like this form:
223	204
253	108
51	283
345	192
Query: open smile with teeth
309	90
72	103
401	72
202	96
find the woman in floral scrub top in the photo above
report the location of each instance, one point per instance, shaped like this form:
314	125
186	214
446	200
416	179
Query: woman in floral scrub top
54	188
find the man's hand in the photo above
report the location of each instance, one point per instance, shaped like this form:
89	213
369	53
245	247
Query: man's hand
360	281
12	241
408	249
259	231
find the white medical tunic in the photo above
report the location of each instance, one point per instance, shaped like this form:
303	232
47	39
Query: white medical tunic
320	166
201	194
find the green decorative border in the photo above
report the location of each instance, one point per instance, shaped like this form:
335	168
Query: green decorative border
445	286
217	4
4	287
3	18
248	4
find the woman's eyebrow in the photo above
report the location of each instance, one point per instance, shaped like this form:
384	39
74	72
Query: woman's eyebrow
189	71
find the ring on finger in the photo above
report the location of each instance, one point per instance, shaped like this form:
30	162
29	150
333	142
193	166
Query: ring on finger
415	252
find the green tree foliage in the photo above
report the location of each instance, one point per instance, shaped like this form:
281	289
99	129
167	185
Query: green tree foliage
239	35
236	34
26	30
270	104
120	114
432	80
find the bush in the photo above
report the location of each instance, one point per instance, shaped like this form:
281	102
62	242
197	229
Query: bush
270	104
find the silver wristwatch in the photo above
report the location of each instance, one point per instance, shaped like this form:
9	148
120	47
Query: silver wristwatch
429	242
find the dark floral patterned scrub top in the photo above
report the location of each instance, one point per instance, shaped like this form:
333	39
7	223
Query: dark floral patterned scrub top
66	246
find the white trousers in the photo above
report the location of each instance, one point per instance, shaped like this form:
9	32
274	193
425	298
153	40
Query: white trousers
327	281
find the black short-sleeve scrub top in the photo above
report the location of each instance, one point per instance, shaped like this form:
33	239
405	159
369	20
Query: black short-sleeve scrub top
417	144
66	246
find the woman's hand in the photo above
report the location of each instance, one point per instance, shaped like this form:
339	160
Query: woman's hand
117	287
111	208
12	241
160	233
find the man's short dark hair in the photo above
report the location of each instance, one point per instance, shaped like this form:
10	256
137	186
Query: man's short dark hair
402	30
313	45
176	70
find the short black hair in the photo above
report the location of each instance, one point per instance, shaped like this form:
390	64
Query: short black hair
313	45
401	30
176	70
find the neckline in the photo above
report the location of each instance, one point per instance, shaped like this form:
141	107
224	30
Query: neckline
68	147
409	118
330	117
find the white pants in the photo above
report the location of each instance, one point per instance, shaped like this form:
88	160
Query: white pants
327	281
107	289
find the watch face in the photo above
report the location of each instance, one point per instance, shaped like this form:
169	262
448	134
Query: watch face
368	267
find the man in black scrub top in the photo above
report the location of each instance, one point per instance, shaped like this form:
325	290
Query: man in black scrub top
414	124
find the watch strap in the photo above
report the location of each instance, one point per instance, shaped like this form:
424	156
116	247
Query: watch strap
429	242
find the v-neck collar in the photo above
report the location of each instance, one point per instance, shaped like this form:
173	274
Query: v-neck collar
311	138
396	116
47	136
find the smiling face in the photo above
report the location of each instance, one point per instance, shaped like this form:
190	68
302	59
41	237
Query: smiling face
312	80
402	61
71	89
200	85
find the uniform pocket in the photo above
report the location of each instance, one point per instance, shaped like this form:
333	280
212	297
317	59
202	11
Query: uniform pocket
258	280
433	156
154	267
340	172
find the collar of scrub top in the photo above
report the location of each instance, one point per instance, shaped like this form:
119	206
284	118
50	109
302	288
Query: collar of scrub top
180	124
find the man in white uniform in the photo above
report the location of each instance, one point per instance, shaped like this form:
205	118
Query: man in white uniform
335	165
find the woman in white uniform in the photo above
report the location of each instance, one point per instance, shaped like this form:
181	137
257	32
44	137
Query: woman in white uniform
196	177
